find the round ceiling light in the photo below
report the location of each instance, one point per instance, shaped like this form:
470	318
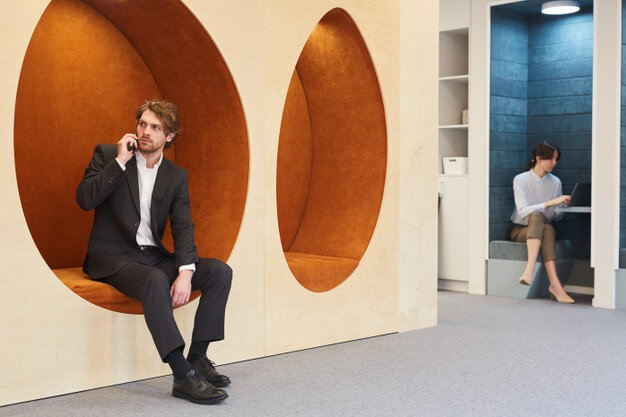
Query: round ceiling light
560	7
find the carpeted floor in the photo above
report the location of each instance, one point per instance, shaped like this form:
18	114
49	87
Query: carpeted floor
489	356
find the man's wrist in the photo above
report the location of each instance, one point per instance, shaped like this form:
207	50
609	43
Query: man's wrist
121	164
185	273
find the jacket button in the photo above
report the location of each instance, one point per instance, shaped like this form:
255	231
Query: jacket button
135	224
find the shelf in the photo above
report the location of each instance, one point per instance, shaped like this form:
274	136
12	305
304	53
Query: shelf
452	175
456	78
461	127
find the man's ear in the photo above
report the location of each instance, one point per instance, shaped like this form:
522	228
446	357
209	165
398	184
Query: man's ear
169	137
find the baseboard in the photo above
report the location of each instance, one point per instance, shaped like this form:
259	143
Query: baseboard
452	285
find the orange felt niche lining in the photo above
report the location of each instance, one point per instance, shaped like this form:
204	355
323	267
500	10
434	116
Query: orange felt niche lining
87	68
332	155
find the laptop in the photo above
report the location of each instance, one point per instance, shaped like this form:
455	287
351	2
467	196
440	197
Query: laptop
581	195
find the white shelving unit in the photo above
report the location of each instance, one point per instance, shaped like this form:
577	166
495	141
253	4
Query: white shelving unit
454	79
453	92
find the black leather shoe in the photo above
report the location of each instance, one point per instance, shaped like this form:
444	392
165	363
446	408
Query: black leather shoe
196	389
204	367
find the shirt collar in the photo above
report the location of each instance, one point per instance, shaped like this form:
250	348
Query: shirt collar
142	161
537	177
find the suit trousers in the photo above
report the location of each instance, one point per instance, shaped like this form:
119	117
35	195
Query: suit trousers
149	280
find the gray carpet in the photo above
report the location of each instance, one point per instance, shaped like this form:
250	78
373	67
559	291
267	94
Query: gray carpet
489	356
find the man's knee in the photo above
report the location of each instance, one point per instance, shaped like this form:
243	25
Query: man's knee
221	276
224	275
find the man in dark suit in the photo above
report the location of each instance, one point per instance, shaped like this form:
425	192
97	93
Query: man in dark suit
133	190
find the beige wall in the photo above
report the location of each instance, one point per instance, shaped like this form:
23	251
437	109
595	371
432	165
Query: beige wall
79	346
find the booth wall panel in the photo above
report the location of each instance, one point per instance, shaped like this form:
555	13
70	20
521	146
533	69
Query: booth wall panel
508	115
80	346
295	317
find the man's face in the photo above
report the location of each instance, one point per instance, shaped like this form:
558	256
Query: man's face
151	133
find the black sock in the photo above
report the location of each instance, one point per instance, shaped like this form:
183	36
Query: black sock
176	361
197	350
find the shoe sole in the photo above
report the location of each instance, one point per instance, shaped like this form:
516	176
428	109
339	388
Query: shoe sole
184	396
220	384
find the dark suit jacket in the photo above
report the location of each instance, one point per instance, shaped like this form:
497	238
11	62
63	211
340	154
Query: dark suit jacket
114	194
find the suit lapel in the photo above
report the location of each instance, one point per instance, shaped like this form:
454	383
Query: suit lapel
133	182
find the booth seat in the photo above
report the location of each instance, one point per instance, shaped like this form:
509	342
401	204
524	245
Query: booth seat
319	272
507	261
99	293
622	258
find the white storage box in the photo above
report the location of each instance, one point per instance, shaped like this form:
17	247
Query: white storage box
456	165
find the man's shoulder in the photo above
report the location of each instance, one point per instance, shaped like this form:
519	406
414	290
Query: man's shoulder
109	151
174	169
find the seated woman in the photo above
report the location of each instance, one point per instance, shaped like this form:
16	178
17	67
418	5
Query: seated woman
537	192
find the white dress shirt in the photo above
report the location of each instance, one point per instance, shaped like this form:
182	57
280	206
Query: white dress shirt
146	178
531	194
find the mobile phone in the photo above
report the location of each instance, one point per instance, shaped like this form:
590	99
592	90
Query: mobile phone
130	148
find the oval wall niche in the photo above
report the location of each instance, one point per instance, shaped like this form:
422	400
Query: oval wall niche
88	66
332	156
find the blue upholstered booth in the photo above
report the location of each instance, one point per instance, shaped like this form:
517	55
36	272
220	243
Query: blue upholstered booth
541	89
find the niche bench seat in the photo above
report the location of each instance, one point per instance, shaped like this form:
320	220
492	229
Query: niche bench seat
507	261
319	272
99	293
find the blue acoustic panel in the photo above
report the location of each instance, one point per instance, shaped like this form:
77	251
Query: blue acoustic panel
507	142
508	114
560	70
507	159
502	177
509	70
560	88
559	105
508	124
566	141
574	159
546	34
570	176
508	106
566	123
563	52
504	87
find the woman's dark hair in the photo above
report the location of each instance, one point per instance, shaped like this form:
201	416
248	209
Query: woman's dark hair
544	150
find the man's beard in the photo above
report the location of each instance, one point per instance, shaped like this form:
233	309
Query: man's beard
147	148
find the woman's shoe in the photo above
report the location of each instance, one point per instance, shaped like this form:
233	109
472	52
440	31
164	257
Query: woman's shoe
566	299
523	281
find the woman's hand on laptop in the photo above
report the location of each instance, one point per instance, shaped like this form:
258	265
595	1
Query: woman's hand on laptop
559	201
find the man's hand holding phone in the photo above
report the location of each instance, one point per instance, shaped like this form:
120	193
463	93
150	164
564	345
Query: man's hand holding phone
126	147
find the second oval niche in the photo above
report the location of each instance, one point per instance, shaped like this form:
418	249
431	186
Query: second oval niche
332	156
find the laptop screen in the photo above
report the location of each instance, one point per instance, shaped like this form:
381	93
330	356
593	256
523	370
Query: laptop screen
581	195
